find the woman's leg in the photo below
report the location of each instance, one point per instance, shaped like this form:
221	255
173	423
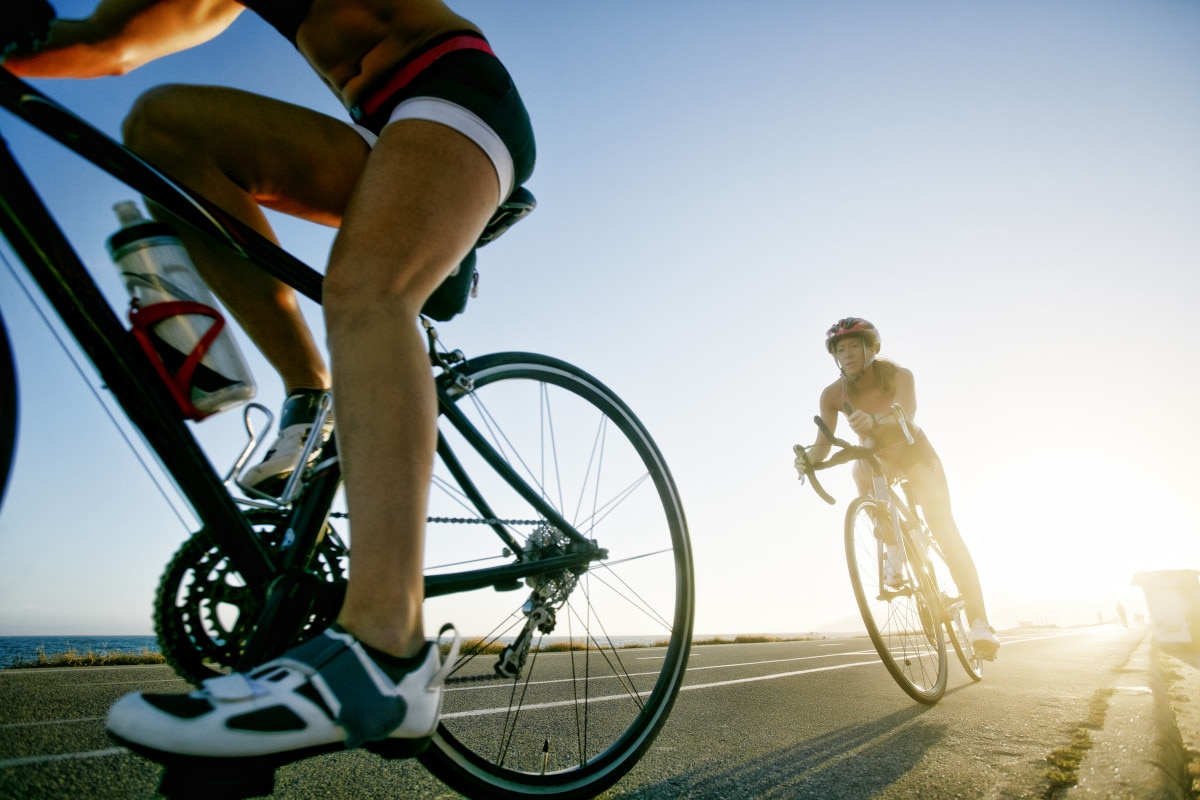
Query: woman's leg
929	485
242	151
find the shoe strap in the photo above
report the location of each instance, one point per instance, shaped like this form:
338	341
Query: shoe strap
301	407
362	698
451	661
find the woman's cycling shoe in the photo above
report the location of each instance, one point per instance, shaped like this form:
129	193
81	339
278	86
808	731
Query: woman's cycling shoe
984	641
325	695
296	422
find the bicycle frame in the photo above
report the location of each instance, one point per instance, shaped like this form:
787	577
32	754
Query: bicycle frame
41	245
902	510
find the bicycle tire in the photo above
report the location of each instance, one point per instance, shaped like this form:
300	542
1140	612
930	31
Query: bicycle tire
8	410
958	627
903	621
576	719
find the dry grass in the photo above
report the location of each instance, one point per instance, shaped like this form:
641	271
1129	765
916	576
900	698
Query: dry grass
1063	770
92	658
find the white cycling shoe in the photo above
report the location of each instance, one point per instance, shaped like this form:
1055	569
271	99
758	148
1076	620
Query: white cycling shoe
325	695
893	569
300	411
984	641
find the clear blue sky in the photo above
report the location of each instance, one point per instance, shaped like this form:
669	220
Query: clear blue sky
1010	191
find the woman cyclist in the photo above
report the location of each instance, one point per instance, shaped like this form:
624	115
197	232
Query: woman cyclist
870	386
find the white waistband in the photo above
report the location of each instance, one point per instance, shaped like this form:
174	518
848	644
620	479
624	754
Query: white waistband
463	120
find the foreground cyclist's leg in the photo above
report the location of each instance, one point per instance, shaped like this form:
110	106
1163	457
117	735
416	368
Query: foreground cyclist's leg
373	677
392	252
240	151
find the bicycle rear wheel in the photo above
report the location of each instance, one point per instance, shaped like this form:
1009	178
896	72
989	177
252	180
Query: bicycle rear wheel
593	658
958	628
903	618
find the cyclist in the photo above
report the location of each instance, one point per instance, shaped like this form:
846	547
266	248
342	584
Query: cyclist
870	386
442	139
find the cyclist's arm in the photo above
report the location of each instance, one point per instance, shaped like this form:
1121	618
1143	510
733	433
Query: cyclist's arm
819	450
121	35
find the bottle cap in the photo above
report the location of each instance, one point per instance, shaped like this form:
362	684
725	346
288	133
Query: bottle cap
128	213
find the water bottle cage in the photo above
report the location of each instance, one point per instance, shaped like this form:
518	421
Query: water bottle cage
144	318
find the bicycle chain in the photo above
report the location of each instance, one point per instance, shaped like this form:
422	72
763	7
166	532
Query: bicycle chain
464	520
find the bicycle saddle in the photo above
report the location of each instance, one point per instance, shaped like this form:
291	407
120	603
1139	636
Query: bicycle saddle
518	206
449	299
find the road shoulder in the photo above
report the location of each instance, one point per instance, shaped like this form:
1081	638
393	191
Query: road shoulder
1138	753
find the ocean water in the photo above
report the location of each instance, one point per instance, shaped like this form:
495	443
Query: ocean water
25	648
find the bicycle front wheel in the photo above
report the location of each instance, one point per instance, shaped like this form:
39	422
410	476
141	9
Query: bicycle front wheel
565	679
903	616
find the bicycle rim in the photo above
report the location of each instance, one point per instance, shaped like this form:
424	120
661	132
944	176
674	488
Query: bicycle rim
608	646
958	628
8	409
903	620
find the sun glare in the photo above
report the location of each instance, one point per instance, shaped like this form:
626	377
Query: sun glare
1065	533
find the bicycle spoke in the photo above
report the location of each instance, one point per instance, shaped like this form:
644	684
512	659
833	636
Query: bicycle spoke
576	709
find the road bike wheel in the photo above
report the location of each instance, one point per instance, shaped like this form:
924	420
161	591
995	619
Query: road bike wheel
8	410
903	619
608	645
958	627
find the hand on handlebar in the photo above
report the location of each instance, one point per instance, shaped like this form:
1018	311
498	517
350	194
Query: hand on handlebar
802	464
861	423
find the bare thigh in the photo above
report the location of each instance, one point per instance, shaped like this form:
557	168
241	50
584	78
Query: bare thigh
232	146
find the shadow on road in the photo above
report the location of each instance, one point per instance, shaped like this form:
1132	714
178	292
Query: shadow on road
852	762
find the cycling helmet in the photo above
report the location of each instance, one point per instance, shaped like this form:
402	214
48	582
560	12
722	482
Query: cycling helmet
851	326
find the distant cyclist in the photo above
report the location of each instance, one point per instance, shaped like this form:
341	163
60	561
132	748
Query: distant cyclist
871	385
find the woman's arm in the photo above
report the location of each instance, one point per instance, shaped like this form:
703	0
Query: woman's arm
820	448
121	35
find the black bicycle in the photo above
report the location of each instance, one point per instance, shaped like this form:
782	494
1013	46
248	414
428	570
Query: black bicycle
557	541
901	581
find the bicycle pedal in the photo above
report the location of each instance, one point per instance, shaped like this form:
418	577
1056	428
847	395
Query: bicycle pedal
396	749
209	781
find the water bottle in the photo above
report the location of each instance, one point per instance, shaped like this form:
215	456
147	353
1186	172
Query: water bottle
175	317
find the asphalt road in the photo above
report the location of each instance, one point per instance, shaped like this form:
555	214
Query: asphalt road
819	719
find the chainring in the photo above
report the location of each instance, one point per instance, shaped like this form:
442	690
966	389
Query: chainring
205	611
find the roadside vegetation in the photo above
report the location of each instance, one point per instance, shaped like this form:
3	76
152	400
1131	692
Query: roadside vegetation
92	658
1063	770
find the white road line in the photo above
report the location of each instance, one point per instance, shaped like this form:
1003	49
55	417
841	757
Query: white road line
9	725
114	751
43	670
481	712
30	760
777	675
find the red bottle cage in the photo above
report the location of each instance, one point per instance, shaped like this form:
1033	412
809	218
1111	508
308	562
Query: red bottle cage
143	319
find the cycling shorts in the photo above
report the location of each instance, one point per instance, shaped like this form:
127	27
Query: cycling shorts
457	81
